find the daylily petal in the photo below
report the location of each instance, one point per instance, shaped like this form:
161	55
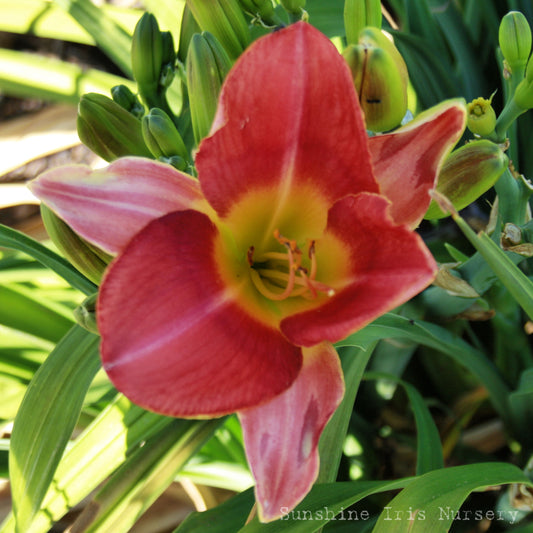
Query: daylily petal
110	205
281	436
406	162
288	123
384	265
174	338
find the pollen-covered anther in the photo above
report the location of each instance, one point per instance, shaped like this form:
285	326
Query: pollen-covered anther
285	270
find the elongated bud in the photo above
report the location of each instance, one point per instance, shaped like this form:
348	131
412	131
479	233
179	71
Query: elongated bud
467	173
207	66
481	116
147	54
108	129
380	78
515	40
161	135
225	20
123	96
359	14
90	262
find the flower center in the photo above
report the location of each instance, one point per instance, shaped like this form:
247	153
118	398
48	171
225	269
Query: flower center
281	275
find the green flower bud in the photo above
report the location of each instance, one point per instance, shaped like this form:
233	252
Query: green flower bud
225	20
380	78
108	129
123	96
293	6
481	116
90	261
85	314
359	14
168	68
467	173
167	45
207	66
161	136
523	95
147	54
515	40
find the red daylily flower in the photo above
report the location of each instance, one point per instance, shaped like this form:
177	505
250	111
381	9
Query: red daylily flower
228	291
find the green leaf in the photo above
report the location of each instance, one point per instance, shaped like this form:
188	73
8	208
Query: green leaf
227	517
429	447
110	37
30	75
354	361
24	310
433	336
10	238
47	418
144	476
431	501
104	445
43	19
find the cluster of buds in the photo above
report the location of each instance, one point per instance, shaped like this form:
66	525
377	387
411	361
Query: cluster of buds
380	78
153	58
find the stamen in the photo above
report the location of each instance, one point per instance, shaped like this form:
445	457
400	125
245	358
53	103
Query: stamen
298	280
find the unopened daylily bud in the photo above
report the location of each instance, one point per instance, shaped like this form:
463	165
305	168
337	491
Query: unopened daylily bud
161	135
168	61
359	14
147	53
207	66
523	96
515	40
108	129
293	6
481	116
380	78
467	173
125	98
90	262
225	20
85	313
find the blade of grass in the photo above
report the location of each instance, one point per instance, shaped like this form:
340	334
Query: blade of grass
15	240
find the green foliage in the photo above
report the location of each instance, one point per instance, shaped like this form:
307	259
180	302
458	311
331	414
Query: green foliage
421	382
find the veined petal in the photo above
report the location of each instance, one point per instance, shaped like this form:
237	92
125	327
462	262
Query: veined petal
383	266
281	436
174	338
109	206
407	161
288	123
